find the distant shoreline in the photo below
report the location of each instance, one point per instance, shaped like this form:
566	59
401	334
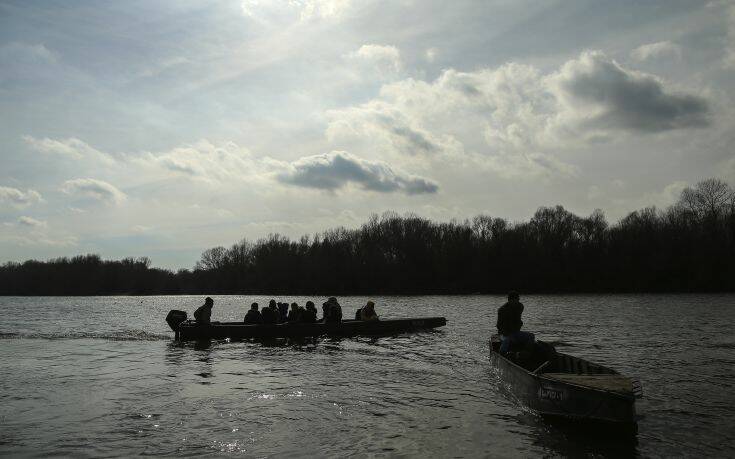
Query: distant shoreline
407	295
686	248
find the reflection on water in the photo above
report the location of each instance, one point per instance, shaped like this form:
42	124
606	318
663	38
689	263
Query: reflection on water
73	381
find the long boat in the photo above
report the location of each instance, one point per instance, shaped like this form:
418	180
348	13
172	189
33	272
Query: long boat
566	387
190	330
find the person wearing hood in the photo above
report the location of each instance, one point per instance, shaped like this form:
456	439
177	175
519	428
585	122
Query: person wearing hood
367	312
203	314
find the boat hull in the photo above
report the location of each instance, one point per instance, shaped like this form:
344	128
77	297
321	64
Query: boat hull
558	399
237	330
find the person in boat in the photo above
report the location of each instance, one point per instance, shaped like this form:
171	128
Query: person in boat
332	311
203	314
269	315
295	314
308	315
253	316
509	324
367	312
283	312
325	311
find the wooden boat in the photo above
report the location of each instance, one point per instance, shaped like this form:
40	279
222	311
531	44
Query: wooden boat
190	330
570	388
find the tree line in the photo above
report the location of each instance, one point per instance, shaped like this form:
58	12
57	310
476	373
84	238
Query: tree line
688	247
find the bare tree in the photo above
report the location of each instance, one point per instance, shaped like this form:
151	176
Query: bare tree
710	198
212	259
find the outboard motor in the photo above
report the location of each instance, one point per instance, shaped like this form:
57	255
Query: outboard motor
174	318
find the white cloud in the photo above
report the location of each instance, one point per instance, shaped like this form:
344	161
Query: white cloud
519	110
95	189
40	238
31	222
338	169
71	147
275	11
18	198
667	196
529	166
431	54
658	50
202	161
28	231
393	127
384	59
323	9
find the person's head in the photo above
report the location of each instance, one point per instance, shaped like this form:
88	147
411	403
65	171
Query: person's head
208	302
294	306
332	300
370	306
310	304
254	306
514	296
272	303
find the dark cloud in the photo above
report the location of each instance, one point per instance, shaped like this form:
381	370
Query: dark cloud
629	100
335	170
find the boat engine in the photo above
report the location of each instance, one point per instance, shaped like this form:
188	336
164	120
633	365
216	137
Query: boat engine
174	318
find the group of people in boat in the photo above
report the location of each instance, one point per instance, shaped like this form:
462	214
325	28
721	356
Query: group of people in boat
281	313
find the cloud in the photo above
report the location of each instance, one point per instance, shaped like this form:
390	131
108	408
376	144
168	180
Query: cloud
95	189
598	94
663	198
203	161
31	222
40	238
431	54
656	50
19	55
729	59
519	110
529	166
385	59
381	121
323	9
275	11
18	198
71	147
336	170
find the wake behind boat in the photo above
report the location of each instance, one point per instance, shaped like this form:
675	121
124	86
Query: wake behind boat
190	330
563	386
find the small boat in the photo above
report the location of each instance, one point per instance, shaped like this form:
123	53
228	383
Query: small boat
566	387
190	330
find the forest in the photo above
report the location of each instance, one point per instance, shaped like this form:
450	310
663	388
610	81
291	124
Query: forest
687	247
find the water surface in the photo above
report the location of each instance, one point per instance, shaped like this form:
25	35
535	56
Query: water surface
101	376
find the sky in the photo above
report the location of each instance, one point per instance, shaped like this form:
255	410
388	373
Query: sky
163	128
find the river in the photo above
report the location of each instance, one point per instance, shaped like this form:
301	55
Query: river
102	376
